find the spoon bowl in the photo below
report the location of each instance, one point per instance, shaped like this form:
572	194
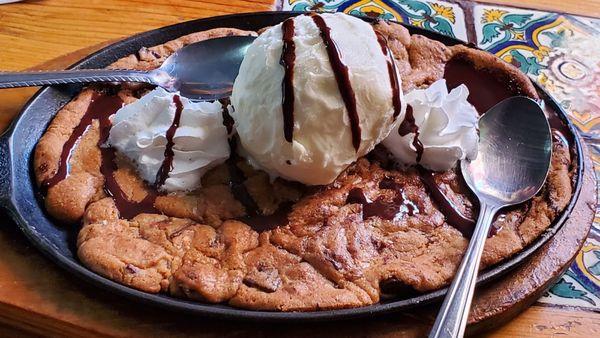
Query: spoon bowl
515	148
513	159
203	70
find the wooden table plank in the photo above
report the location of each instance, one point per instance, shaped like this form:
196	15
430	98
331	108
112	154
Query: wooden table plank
32	32
579	7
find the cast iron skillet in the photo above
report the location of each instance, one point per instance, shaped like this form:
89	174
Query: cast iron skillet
19	195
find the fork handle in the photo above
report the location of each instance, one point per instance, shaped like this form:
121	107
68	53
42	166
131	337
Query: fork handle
46	78
452	318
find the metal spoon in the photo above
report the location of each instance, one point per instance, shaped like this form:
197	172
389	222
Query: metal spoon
515	147
202	71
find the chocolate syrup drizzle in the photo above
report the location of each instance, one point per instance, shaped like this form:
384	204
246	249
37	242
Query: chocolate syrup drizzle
287	60
409	126
457	71
395	83
236	175
228	121
342	76
99	105
389	210
101	108
485	91
236	181
454	217
167	165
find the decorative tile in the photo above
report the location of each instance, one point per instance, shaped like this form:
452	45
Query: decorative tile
559	55
590	22
559	52
580	285
439	16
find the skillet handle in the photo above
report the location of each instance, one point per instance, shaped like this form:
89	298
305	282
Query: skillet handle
5	171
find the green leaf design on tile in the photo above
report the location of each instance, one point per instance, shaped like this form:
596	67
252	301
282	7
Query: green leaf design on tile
556	39
490	32
567	290
443	27
429	15
516	19
595	269
316	5
528	65
416	6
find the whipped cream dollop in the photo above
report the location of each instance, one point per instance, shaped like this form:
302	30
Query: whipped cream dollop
307	111
139	132
446	128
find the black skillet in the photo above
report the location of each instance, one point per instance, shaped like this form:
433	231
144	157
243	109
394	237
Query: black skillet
19	195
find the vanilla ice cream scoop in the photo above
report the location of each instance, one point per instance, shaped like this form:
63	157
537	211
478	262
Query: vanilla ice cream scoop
440	128
314	94
170	140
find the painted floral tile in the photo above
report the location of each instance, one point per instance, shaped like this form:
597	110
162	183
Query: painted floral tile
580	285
562	56
559	52
439	16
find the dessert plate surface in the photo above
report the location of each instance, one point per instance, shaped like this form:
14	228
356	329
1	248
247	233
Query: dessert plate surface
19	195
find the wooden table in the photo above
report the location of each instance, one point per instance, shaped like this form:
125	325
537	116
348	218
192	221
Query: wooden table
38	34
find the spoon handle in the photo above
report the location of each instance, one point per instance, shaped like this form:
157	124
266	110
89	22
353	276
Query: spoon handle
46	78
452	318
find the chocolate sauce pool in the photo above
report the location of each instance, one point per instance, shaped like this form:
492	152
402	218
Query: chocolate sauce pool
485	88
453	217
236	181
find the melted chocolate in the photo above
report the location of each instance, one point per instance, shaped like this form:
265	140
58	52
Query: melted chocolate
236	181
454	217
409	126
407	206
485	87
167	165
287	60
254	218
127	209
395	83
382	208
100	105
227	119
560	131
101	108
342	76
261	223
